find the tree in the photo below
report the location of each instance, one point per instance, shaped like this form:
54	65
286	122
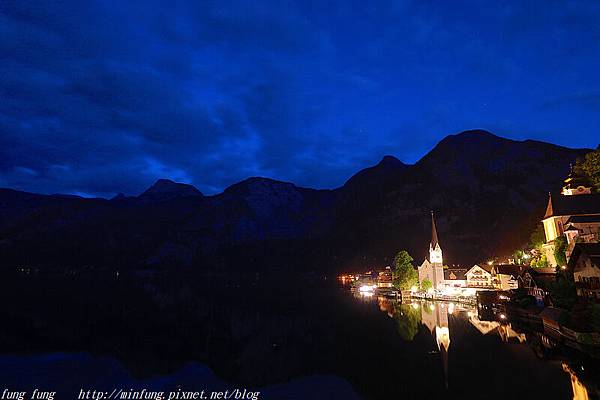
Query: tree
540	262
405	275
562	290
537	237
518	256
560	246
426	284
590	168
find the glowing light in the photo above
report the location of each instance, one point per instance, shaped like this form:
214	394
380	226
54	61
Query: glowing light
413	289
415	306
431	307
451	308
449	291
563	267
366	289
502	316
490	262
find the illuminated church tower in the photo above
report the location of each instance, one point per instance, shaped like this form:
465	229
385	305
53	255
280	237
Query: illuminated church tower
435	251
433	269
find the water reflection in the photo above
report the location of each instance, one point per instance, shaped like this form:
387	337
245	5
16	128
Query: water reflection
407	319
259	333
438	318
579	390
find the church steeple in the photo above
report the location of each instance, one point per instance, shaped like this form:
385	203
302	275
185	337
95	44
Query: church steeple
435	251
434	237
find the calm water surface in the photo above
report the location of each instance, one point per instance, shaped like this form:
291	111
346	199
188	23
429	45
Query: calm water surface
305	339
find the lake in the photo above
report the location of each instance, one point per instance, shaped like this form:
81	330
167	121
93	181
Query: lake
294	339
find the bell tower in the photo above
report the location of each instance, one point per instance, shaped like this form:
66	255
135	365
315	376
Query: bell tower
435	251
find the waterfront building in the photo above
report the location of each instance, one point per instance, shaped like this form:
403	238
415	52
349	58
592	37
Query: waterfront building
479	277
506	276
385	279
585	264
536	282
433	269
455	277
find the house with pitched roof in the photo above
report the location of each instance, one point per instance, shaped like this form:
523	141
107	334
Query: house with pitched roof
506	276
479	277
585	265
455	277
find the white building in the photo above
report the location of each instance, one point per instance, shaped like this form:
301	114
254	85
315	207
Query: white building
477	277
455	278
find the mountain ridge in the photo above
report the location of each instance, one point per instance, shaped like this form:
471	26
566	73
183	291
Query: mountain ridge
387	161
486	191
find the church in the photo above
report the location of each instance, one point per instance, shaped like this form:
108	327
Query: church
575	213
433	269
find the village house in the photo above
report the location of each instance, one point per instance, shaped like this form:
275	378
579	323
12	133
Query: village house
585	264
455	277
536	282
506	276
502	277
478	277
385	278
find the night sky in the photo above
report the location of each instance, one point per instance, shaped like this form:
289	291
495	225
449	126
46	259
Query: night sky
102	98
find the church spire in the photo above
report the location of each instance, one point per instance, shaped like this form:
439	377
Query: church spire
434	237
435	251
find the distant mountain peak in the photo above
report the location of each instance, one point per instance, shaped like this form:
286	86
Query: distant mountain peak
473	135
390	161
387	169
165	189
469	132
256	183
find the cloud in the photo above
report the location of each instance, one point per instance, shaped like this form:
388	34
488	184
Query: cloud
102	98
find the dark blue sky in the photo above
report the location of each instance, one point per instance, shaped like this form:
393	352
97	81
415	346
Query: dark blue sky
100	98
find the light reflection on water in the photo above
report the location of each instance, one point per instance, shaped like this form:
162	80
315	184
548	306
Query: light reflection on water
434	316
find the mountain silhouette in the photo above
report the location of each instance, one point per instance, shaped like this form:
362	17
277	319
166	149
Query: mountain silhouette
488	193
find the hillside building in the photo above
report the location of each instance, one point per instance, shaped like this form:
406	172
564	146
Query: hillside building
574	213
